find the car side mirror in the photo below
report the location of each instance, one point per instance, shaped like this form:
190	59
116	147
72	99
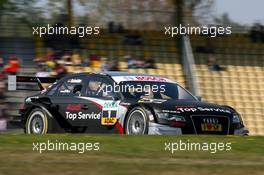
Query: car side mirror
199	98
112	96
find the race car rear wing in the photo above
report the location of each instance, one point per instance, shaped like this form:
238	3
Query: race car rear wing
13	82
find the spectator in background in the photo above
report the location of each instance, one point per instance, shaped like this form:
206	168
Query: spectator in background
42	71
257	33
213	65
133	39
111	27
66	58
48	59
95	60
49	56
104	64
94	57
12	66
114	66
120	28
86	61
76	58
60	70
140	62
149	63
131	62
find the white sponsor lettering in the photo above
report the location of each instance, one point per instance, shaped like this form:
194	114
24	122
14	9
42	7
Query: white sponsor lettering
83	116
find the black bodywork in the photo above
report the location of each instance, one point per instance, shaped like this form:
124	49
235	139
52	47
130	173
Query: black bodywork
191	115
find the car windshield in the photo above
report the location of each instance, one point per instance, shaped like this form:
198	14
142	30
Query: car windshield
154	90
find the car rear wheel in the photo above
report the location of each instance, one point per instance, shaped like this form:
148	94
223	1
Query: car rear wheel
37	122
137	122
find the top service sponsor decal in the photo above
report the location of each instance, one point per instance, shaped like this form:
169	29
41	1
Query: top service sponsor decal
71	115
83	116
181	109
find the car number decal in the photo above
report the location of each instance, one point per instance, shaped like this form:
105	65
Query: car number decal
109	113
108	117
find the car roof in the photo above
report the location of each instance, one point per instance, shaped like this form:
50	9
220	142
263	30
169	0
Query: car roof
119	73
119	76
114	73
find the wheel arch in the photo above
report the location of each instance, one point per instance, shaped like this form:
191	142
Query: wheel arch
146	107
54	124
34	106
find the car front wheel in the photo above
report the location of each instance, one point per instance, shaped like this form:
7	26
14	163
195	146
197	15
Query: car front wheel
137	122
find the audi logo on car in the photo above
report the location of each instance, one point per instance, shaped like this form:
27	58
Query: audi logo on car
210	120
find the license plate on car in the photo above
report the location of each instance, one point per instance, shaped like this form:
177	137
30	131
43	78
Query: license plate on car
211	127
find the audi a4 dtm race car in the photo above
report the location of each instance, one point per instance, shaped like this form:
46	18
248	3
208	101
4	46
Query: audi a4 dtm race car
127	103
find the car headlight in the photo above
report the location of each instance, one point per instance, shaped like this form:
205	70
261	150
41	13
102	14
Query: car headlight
173	119
170	117
236	118
177	121
177	118
163	115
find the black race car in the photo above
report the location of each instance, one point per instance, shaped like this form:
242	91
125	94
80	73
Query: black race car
127	103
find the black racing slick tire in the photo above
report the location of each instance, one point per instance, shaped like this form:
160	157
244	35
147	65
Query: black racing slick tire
137	122
39	122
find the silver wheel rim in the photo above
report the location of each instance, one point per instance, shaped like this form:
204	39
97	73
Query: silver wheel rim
36	123
136	123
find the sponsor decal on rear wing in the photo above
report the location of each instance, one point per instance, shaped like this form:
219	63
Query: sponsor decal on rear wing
13	81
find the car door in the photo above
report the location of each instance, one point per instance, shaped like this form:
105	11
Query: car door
68	103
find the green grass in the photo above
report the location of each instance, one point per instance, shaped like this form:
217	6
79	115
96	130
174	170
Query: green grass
130	155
